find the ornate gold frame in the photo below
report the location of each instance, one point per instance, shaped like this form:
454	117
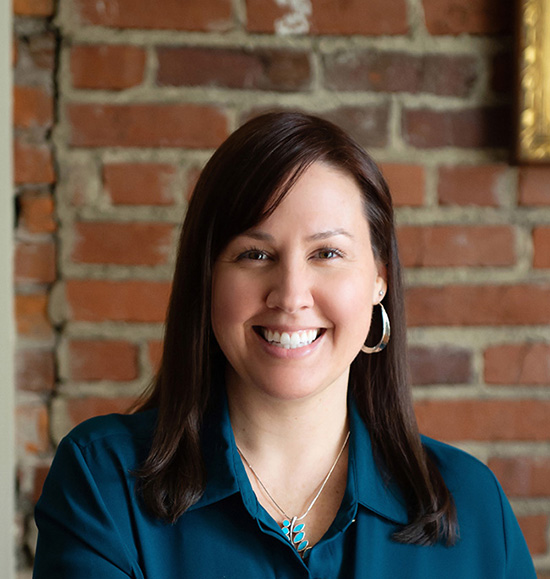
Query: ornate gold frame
533	142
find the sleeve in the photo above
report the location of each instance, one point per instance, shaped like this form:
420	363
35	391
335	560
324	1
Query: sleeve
77	536
518	558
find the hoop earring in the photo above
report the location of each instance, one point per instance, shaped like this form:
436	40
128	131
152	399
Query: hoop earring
385	334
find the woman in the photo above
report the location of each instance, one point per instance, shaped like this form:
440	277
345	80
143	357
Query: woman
278	439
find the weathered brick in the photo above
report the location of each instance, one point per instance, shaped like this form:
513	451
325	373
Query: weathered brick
367	124
32	107
32	428
154	350
211	16
468	16
31	316
35	370
124	301
440	365
454	420
462	305
102	360
139	183
36	213
541	246
376	17
40	474
38	8
113	67
34	262
456	245
535	531
264	69
80	409
472	128
407	183
387	71
41	48
122	243
470	184
534	186
33	163
518	364
146	125
523	476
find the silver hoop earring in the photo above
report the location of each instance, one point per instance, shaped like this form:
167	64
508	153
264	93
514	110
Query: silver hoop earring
385	334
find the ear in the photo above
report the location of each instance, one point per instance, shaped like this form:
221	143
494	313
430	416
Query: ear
380	285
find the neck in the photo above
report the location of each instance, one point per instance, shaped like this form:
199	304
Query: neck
287	429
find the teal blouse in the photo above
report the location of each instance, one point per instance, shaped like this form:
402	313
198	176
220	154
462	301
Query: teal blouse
92	524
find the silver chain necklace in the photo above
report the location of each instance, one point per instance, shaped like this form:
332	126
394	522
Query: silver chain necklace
294	530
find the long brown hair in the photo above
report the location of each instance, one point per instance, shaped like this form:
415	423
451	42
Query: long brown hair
244	181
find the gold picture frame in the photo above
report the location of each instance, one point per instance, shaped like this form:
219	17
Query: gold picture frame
533	118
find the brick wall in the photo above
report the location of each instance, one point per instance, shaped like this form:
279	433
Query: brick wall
132	100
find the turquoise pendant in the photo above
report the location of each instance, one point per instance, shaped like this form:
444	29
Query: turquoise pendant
296	534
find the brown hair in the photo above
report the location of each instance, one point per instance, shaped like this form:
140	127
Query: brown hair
243	182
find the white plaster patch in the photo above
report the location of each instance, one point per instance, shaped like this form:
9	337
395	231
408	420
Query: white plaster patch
296	21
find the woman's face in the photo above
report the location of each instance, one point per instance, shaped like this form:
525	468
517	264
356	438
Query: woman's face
292	297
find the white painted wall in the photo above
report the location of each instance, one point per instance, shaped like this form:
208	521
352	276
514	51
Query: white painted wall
7	334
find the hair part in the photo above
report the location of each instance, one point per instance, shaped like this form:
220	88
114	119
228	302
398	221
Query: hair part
242	184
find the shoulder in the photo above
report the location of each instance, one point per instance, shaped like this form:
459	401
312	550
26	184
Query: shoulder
129	434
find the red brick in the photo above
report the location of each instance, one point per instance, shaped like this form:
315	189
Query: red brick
535	531
41	49
534	186
32	107
470	184
386	71
103	360
33	163
541	246
440	365
473	128
212	16
468	16
367	124
80	409
122	243
146	125
342	17
32	428
456	245
154	350
518	364
36	213
264	69
193	175
33	7
32	317
523	476
525	420
104	66
40	474
35	370
123	301
139	183
407	183
35	262
478	305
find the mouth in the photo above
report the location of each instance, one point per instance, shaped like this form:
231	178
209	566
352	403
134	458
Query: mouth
289	340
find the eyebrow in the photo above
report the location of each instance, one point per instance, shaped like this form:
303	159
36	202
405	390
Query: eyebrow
262	236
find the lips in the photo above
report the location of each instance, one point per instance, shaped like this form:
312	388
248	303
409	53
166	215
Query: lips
289	340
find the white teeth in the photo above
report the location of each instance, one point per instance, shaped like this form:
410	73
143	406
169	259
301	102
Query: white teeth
290	340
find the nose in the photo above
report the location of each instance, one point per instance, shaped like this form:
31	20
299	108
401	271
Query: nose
290	289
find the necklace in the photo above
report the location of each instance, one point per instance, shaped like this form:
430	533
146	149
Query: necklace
292	528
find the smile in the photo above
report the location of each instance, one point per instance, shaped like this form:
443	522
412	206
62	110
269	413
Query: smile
289	340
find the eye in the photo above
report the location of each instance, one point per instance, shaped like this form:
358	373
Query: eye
253	255
328	253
